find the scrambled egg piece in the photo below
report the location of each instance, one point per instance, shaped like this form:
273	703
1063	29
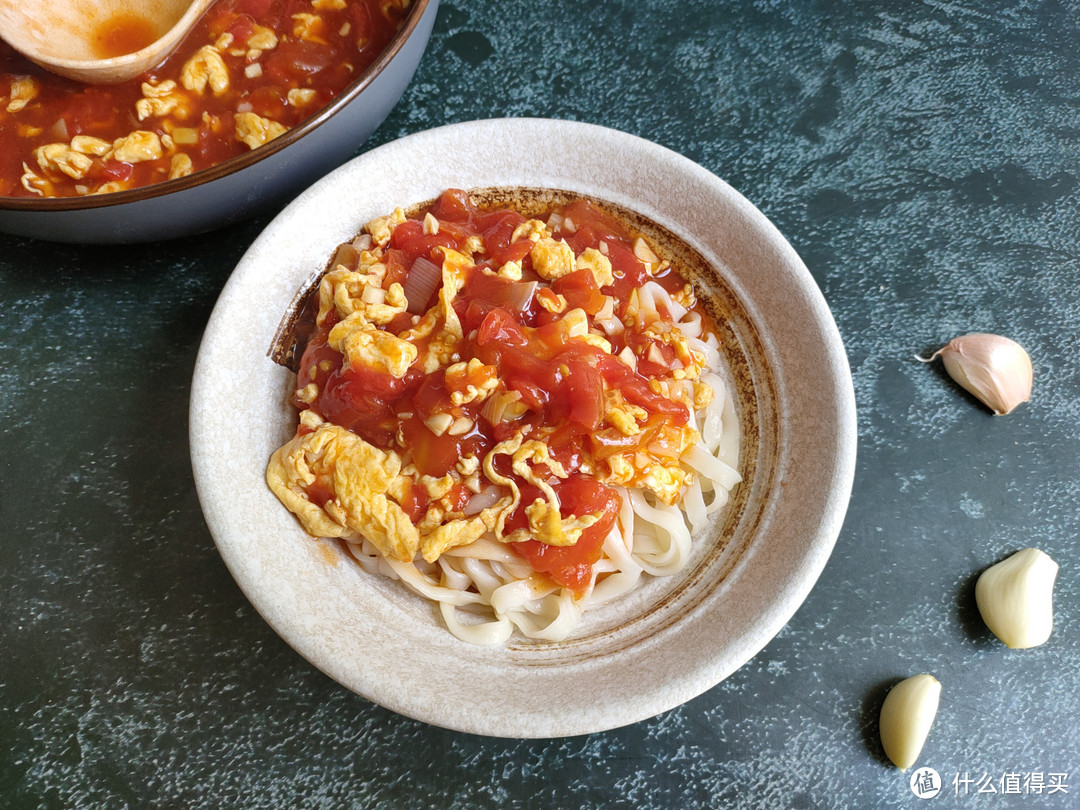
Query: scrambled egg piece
23	90
90	145
703	395
532	229
300	96
205	68
692	362
254	130
551	301
137	147
365	485
471	382
262	39
381	228
33	182
474	245
598	264
653	464
60	157
328	5
685	297
180	166
360	477
309	27
622	415
548	526
551	259
161	99
351	292
453	534
575	324
72	160
365	345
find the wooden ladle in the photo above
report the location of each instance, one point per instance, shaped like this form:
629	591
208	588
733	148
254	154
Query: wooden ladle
98	41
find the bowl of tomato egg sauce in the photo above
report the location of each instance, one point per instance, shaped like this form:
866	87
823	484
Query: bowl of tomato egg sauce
260	99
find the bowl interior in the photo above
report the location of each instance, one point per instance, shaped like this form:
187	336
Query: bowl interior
656	647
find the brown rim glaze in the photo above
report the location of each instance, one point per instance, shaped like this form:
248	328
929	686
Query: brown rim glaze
237	162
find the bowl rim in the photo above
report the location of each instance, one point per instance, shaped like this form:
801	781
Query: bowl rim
246	159
774	585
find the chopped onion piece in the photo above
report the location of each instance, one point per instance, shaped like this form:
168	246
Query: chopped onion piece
345	256
423	279
59	131
373	294
185	136
519	295
502	406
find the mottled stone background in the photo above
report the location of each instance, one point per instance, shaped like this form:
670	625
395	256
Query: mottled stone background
922	158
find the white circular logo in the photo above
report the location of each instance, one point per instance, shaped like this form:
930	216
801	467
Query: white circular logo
925	783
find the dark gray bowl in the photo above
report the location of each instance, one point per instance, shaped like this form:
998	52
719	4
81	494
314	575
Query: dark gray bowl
240	186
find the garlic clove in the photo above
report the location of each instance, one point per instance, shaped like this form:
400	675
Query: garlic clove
994	369
906	716
1015	598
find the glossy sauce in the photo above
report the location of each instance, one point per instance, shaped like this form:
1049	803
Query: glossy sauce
319	52
560	381
123	34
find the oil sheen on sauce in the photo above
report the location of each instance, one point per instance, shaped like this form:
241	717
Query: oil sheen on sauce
122	34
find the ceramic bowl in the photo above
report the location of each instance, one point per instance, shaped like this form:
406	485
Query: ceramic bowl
672	638
244	184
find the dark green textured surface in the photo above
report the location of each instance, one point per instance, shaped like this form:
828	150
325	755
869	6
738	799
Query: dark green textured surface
922	158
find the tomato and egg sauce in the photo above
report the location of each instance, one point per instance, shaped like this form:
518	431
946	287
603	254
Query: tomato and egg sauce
475	372
247	72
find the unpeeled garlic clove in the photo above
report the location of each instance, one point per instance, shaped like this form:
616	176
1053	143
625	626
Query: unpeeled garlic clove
1016	598
993	368
906	716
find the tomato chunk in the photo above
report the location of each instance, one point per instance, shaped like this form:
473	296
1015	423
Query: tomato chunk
571	566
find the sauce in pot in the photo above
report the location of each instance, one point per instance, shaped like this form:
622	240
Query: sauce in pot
247	72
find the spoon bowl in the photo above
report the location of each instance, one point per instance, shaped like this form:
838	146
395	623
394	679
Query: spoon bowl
98	42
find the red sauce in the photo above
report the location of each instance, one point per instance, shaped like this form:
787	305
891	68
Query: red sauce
560	382
317	51
123	34
571	566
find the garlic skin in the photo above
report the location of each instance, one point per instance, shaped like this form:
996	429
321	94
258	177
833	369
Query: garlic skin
1015	598
994	369
906	716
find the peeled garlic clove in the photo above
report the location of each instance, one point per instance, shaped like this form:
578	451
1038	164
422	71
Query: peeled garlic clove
993	368
1015	598
906	716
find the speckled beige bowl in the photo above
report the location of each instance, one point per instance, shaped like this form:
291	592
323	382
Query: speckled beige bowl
663	644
